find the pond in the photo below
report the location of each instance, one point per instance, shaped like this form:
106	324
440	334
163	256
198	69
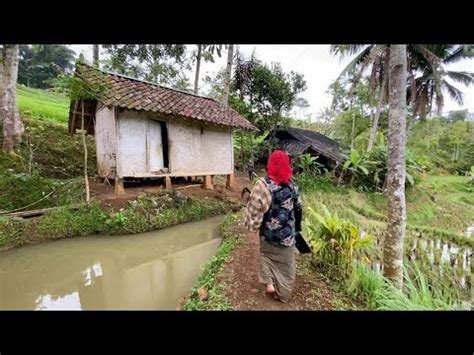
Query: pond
143	271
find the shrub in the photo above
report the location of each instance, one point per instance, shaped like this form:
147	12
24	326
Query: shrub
334	240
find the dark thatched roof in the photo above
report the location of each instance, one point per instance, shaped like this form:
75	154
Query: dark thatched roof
297	141
128	93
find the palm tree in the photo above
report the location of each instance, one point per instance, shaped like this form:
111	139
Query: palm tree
393	241
375	57
421	58
432	81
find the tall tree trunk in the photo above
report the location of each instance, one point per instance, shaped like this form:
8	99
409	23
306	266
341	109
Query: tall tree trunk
95	58
353	124
12	125
228	73
198	68
84	144
393	243
375	122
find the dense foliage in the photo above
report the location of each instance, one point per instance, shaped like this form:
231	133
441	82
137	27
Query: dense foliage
39	64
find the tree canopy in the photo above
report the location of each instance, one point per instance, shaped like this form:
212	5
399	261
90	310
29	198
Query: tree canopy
160	63
39	64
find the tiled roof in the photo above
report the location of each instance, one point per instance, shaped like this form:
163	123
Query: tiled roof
135	94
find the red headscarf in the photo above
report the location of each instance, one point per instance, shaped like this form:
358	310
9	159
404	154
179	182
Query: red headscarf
278	168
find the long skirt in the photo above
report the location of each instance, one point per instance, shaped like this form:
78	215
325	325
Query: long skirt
277	267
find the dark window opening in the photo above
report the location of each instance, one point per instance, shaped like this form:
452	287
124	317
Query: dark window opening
164	138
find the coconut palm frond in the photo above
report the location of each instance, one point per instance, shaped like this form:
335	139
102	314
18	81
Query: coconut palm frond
412	89
463	77
358	60
379	71
456	94
421	99
434	62
428	55
344	50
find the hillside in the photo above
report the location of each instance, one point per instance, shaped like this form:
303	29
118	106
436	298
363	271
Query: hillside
49	157
43	104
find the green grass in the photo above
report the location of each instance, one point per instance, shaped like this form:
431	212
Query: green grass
21	190
56	154
43	104
217	300
453	208
419	293
364	285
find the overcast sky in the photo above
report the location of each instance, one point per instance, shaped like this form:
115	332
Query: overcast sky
317	65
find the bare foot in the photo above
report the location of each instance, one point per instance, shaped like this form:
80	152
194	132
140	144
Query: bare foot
270	289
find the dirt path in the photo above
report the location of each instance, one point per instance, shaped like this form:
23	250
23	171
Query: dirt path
240	275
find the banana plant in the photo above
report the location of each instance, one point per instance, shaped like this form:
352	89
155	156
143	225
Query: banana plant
357	164
309	164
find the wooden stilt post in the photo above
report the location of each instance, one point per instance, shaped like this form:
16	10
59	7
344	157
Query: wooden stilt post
119	188
207	185
230	183
190	179
168	183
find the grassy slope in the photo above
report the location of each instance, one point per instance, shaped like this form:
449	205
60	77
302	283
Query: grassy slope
452	212
43	104
57	158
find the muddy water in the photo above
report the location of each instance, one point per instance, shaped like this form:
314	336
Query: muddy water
143	271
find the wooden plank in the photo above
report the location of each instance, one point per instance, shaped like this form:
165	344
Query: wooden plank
85	113
38	212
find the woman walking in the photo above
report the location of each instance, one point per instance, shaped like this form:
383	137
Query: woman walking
274	210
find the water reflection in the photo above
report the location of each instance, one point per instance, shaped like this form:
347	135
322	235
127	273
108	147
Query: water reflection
67	302
145	271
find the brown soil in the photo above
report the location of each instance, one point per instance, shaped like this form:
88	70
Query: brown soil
240	275
104	191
